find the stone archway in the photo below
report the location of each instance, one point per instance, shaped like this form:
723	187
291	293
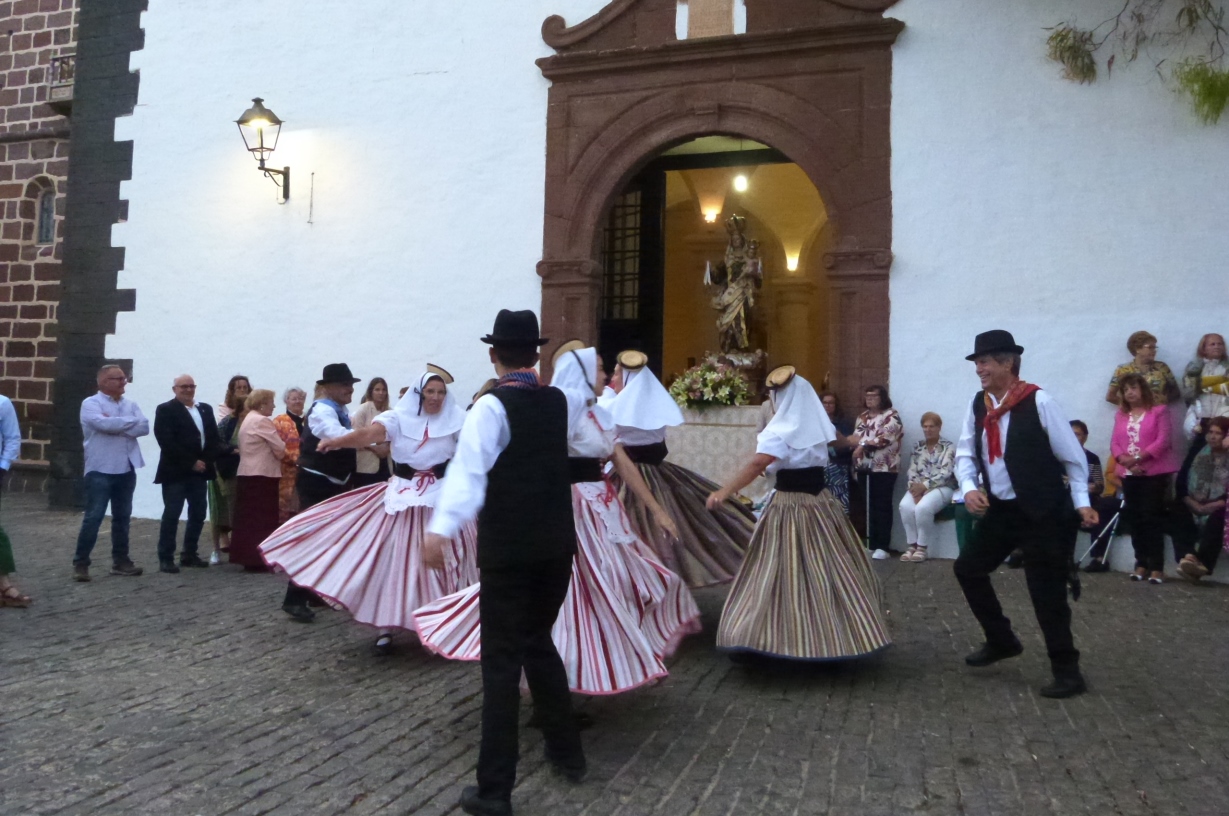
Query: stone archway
624	89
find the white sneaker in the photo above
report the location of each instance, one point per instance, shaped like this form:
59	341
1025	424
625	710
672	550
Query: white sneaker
880	555
215	559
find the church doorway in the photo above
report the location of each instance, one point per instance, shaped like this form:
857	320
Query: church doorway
808	78
716	246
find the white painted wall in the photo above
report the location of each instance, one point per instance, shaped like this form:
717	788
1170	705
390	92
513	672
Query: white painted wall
1071	215
424	123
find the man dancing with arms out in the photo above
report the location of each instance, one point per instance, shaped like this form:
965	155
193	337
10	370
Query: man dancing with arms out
511	471
1017	440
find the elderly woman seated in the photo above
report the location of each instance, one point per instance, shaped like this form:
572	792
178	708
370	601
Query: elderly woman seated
1205	498
932	480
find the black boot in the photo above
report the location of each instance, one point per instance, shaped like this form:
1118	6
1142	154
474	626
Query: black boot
993	653
1068	682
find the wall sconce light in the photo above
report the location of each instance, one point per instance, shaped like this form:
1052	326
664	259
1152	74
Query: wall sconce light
260	129
791	262
710	216
740	183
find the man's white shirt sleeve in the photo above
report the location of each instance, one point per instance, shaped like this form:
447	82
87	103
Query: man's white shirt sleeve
325	424
966	454
484	437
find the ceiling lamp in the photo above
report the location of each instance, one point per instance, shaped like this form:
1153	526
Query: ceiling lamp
740	183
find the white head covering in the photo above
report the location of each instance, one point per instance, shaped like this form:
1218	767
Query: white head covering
645	403
575	375
607	398
800	420
417	424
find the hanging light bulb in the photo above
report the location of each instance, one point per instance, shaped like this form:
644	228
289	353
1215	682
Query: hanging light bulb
740	183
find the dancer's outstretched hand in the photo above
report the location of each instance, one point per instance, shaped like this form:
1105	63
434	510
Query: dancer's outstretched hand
433	551
666	523
716	498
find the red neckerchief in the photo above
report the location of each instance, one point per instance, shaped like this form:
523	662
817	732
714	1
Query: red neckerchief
994	441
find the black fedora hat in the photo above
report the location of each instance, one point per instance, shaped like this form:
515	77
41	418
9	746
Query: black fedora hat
994	342
337	373
515	329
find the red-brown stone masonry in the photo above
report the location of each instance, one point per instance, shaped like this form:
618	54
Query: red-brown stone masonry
32	32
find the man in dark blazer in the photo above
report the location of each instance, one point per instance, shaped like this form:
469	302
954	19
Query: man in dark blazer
187	435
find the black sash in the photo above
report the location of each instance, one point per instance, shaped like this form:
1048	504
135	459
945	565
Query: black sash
407	472
801	480
584	470
653	454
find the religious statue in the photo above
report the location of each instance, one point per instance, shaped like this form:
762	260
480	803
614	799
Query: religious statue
733	283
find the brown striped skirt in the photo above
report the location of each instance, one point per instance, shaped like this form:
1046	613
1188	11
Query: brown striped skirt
806	589
710	546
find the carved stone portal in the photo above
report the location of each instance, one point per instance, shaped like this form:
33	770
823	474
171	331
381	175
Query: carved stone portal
811	78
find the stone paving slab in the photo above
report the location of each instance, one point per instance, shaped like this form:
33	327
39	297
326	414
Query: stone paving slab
193	694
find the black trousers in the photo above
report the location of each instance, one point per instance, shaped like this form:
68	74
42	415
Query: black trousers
1144	507
312	489
882	508
1048	548
1211	540
194	491
517	608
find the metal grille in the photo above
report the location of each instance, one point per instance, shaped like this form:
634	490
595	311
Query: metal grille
621	259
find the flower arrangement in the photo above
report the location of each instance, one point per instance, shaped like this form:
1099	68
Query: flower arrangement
713	382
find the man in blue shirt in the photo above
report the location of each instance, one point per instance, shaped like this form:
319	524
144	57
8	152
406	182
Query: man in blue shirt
10	435
111	425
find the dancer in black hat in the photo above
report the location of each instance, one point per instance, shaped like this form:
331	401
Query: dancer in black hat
511	472
322	475
1018	443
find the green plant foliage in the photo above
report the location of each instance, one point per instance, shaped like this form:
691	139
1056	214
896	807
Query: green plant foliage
1206	85
1073	48
713	382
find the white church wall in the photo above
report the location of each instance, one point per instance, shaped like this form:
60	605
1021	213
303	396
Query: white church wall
1071	215
424	126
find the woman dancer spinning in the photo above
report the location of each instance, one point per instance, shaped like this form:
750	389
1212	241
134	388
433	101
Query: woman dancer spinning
806	590
625	613
361	549
709	546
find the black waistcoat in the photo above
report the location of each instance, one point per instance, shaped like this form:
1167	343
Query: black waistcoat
1036	473
339	464
527	515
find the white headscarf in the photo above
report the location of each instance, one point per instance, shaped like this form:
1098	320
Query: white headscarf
575	375
417	424
607	398
645	403
800	420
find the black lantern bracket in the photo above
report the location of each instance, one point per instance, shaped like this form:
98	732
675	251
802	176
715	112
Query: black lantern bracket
261	128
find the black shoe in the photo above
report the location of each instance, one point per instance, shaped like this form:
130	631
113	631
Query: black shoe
384	645
299	613
583	721
193	561
316	601
1067	685
990	653
474	804
569	771
1015	560
1097	565
81	573
127	568
168	566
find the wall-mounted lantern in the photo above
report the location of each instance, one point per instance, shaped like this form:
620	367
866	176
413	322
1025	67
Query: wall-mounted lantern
260	129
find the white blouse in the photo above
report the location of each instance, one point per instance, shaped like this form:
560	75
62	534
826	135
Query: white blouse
419	454
788	458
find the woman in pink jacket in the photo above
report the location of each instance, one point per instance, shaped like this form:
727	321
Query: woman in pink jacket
1143	452
261	451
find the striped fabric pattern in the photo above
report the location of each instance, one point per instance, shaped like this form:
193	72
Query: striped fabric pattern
711	545
368	561
624	613
806	589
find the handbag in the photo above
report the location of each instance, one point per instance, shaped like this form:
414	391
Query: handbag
227	461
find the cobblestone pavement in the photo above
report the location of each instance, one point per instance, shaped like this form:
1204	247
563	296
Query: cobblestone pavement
193	694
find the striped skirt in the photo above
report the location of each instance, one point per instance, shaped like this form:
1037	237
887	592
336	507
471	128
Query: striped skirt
360	557
624	613
806	589
711	545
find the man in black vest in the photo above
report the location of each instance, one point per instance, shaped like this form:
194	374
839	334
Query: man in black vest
1018	446
323	473
511	472
187	436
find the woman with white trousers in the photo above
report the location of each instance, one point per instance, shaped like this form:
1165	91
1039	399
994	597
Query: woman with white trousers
932	481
